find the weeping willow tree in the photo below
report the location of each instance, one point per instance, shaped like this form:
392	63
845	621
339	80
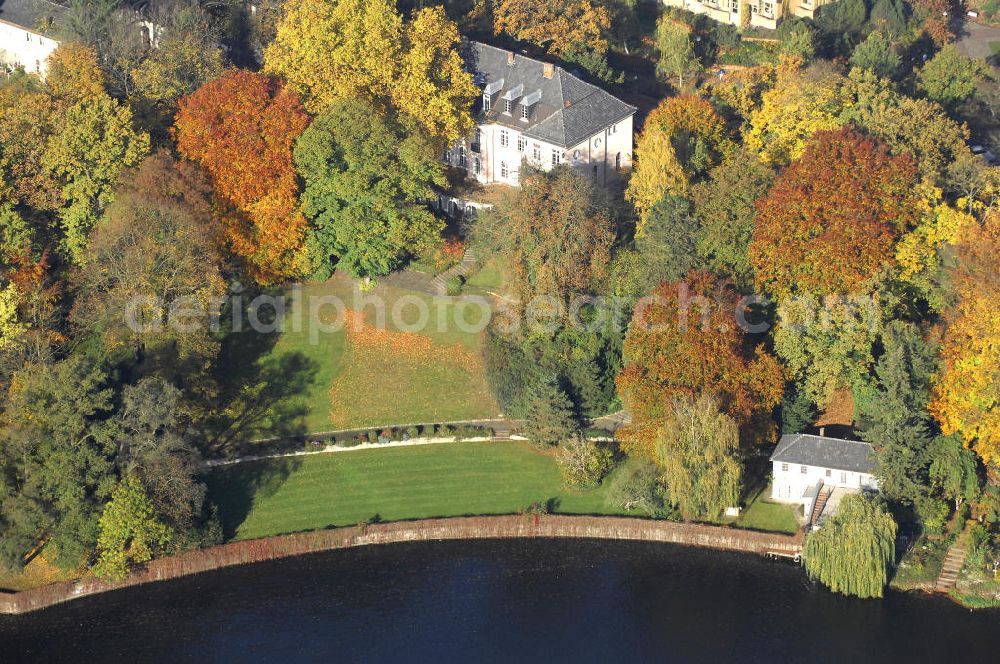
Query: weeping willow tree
853	551
698	451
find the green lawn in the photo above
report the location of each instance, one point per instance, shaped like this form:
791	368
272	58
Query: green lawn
343	488
488	277
762	514
355	377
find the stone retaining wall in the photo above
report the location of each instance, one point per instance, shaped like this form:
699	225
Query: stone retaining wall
461	528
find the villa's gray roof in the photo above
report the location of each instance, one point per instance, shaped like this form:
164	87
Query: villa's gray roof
568	110
836	453
30	14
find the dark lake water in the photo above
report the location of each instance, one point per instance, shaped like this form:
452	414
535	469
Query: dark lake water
508	601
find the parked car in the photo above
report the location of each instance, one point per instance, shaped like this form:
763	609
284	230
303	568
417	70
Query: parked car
985	153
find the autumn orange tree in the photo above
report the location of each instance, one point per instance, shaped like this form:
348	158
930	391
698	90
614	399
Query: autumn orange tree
685	341
966	396
832	218
558	25
935	15
241	128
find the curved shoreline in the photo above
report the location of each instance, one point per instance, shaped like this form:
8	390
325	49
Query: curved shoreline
457	528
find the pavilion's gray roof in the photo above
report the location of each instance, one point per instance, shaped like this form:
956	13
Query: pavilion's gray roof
836	453
30	14
568	110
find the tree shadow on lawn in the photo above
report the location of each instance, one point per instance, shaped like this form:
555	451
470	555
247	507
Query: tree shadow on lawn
233	489
261	395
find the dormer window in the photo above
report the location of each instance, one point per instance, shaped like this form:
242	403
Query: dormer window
527	102
488	92
510	96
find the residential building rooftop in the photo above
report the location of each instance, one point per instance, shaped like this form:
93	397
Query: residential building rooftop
33	15
546	102
824	452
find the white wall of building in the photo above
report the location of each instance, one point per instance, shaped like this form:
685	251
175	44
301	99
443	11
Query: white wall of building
494	154
791	480
20	47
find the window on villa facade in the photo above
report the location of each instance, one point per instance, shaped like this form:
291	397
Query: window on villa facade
618	162
504	138
768	8
803	469
461	156
536	152
478	141
486	102
477	166
557	157
446	157
734	6
507	106
784	467
843	478
504	171
521	143
829	473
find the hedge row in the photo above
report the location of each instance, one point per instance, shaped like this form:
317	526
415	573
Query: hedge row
363	436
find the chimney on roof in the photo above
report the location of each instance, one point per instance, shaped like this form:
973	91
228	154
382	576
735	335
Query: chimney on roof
548	70
567	103
510	58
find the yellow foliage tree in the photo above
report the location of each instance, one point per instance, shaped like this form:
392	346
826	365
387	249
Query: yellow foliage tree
966	395
741	90
940	224
433	86
73	74
559	25
657	171
697	132
339	49
333	49
802	102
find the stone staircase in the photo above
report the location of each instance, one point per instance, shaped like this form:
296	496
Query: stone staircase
951	567
821	499
464	267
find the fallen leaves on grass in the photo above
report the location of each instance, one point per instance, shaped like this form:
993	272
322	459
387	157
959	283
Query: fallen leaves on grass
397	377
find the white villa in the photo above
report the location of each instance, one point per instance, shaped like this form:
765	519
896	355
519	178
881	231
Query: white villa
754	13
535	111
816	471
26	33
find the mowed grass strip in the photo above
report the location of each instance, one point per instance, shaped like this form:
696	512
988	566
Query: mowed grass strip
416	482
